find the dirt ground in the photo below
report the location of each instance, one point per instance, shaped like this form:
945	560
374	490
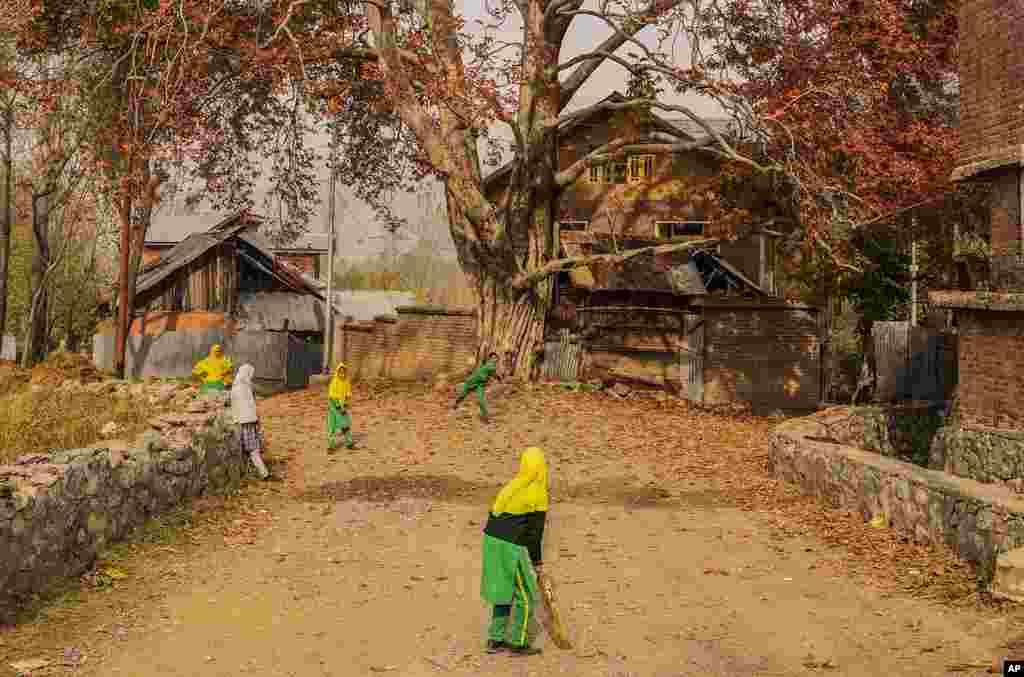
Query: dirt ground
674	555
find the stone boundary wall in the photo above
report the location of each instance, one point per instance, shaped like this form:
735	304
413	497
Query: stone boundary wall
58	511
418	342
979	521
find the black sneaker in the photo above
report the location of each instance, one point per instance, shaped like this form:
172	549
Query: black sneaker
494	646
524	650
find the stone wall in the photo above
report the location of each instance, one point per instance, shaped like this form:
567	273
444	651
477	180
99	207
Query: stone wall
977	520
905	432
989	457
420	342
58	511
766	354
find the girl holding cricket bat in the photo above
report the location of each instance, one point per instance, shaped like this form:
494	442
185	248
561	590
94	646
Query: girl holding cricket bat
512	555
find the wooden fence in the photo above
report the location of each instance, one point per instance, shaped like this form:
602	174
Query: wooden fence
562	358
914	363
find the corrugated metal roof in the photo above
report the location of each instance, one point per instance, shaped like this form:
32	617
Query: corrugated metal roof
280	311
181	255
695	131
197	244
365	305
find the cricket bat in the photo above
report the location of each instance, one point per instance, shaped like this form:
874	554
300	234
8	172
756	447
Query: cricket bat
549	616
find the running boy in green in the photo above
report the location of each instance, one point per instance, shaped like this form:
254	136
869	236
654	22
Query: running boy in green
478	381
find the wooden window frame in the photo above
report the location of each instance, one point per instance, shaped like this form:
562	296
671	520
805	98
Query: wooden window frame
614	166
645	161
658	225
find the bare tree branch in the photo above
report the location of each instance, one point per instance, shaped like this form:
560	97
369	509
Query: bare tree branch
622	35
532	277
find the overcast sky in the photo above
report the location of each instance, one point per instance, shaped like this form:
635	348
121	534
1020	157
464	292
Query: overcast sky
360	234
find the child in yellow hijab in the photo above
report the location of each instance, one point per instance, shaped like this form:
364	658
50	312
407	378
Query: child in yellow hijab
214	370
512	554
338	419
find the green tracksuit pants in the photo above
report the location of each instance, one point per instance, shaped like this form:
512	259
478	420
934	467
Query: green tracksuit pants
338	420
510	622
480	396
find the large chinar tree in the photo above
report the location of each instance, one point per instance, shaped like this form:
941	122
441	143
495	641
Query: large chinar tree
420	95
845	111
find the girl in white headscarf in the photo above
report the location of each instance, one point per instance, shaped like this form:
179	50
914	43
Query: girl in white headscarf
243	409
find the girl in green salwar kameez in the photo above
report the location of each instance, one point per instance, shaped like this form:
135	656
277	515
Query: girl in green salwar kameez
512	554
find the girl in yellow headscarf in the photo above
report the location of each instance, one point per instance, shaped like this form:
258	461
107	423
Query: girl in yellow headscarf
512	554
338	419
214	370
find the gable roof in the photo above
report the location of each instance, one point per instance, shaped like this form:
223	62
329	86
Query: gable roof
675	126
682	273
240	225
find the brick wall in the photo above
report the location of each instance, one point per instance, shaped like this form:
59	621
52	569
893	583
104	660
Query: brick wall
991	369
768	355
991	73
420	342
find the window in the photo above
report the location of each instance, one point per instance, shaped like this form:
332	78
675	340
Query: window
573	225
618	172
666	230
641	167
597	174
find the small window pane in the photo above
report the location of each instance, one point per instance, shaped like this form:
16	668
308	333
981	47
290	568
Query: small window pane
618	171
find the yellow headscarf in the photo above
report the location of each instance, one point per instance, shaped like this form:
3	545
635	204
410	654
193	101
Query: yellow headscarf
528	492
340	388
215	367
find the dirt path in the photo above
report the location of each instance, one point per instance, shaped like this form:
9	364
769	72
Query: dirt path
368	563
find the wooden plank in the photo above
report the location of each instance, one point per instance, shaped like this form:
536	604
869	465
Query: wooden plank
891	343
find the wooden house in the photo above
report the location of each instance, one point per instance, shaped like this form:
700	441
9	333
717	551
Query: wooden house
642	197
226	286
707	323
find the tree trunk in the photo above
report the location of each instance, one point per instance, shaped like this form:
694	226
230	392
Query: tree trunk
39	311
511	324
140	226
6	213
123	305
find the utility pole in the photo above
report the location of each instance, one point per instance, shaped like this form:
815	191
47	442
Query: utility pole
913	273
329	331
